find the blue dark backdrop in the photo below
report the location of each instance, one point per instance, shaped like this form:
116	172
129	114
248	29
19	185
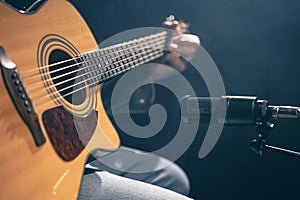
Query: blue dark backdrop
256	46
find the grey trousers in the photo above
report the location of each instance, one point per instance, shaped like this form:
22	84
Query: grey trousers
115	177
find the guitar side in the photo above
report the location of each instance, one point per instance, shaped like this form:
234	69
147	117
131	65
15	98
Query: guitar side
29	171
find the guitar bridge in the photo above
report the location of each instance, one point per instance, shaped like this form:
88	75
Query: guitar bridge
20	97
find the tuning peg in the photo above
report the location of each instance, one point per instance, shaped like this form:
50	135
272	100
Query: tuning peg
170	18
179	26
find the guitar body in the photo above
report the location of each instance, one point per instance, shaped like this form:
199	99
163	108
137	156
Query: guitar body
49	168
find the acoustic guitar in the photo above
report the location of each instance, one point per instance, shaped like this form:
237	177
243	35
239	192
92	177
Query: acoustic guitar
51	112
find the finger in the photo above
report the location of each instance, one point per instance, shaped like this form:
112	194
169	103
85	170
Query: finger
188	39
185	45
170	24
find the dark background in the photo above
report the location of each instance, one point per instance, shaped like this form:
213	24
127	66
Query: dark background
256	46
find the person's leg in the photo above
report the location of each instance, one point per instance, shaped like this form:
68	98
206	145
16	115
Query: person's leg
103	185
156	170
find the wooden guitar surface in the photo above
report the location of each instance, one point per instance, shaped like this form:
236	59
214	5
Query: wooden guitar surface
53	169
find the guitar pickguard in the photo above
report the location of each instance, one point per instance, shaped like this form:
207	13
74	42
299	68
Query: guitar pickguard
68	134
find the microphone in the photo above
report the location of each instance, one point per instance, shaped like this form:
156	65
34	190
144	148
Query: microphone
240	110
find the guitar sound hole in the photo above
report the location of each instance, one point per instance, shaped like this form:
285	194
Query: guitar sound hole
66	78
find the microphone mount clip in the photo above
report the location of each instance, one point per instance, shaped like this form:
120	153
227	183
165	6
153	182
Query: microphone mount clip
259	144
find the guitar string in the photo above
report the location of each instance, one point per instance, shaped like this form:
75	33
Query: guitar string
105	78
107	68
143	59
108	72
149	44
139	48
86	86
29	72
29	80
79	89
141	43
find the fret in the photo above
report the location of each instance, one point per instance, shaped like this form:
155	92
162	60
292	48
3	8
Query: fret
103	64
155	54
140	57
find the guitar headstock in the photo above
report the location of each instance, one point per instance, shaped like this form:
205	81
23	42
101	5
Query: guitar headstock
180	27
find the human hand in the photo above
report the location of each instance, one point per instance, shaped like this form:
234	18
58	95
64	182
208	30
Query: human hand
181	45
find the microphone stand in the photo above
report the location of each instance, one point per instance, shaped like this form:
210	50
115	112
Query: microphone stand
242	111
259	144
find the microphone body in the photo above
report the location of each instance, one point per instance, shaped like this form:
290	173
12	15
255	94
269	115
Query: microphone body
240	110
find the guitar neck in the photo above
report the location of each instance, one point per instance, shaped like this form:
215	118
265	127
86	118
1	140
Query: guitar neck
102	64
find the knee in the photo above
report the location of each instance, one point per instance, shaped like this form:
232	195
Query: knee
175	179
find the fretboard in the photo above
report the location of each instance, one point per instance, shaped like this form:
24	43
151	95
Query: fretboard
103	64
